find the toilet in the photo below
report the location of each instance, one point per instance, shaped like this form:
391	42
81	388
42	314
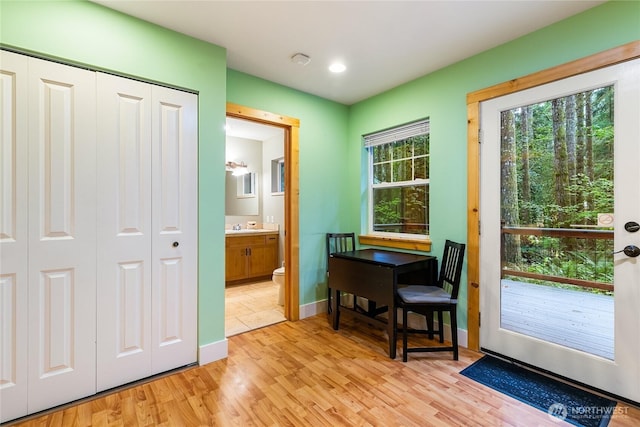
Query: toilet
278	279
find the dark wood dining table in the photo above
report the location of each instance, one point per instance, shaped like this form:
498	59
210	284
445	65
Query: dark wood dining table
375	274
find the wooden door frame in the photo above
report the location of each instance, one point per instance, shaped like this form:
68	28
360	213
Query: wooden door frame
291	127
607	58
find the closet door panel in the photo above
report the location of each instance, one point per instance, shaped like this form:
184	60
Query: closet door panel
13	236
174	253
93	211
124	231
62	241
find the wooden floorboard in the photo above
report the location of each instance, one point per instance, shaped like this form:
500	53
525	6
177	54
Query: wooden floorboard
306	374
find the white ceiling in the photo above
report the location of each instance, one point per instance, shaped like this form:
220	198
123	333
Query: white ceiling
383	43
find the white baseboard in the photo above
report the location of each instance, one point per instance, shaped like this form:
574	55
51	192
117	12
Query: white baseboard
212	352
463	338
220	350
308	310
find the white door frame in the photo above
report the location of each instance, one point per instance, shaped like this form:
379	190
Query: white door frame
612	56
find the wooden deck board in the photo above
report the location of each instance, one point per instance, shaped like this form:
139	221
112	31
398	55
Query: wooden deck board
580	320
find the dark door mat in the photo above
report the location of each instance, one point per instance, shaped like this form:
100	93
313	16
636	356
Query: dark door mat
560	400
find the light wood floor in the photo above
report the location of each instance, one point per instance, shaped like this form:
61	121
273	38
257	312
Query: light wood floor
306	374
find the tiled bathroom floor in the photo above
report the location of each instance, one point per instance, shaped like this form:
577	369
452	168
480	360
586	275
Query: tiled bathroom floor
251	306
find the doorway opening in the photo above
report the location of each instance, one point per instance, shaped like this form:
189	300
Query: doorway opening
289	228
254	200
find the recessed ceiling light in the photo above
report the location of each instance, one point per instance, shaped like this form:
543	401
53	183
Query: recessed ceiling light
337	67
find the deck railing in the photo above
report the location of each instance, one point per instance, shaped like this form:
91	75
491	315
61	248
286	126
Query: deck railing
592	255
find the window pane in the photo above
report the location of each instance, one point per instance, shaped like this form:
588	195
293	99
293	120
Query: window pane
382	173
281	173
248	183
421	168
382	153
557	175
402	149
420	145
402	171
401	209
277	176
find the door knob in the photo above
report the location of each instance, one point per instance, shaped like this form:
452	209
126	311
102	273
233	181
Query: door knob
632	226
176	244
630	251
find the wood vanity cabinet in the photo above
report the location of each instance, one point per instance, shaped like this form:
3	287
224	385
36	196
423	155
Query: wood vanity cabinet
250	256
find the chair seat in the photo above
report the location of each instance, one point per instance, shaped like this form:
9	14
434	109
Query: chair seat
419	294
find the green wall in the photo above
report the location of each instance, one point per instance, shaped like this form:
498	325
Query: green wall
325	205
86	33
441	96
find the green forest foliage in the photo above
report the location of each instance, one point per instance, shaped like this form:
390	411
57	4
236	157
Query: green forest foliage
557	172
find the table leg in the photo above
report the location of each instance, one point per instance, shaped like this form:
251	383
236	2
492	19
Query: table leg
335	309
392	330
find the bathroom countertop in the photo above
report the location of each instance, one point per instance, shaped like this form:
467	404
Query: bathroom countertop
246	231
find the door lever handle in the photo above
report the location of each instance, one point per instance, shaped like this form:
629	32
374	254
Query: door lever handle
630	251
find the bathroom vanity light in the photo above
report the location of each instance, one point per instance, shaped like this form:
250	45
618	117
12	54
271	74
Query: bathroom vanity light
237	169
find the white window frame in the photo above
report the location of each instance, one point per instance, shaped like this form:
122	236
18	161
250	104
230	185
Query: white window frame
277	178
387	136
247	185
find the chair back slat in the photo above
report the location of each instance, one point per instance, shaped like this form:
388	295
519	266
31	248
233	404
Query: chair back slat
340	242
451	267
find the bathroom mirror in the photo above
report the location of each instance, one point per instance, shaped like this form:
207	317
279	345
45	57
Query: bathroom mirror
241	195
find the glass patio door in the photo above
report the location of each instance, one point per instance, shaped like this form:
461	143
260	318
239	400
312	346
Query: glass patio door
559	194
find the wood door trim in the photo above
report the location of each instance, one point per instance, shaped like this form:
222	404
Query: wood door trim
626	52
291	128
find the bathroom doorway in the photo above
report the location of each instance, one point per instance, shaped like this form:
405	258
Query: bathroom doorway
254	212
278	181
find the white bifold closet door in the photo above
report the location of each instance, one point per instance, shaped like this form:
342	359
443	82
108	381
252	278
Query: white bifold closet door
62	234
98	232
14	246
124	231
147	225
174	253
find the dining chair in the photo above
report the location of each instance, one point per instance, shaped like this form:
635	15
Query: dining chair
338	242
438	297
